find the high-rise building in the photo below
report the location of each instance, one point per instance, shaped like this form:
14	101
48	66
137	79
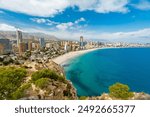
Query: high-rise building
81	43
5	46
30	45
42	42
22	48
19	37
66	47
71	45
1	48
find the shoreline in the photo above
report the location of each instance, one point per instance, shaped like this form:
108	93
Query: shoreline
63	58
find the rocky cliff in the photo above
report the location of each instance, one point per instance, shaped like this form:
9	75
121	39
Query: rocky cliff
55	90
35	81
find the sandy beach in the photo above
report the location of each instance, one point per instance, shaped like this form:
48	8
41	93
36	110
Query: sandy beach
67	56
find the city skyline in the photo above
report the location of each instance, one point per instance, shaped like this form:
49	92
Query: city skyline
113	20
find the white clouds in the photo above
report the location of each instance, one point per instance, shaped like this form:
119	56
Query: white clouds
43	8
49	8
142	5
6	27
103	6
59	25
112	6
44	21
46	8
142	35
80	20
133	35
64	26
70	25
39	20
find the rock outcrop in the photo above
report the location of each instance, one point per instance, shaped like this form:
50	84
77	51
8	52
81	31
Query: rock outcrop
56	90
106	96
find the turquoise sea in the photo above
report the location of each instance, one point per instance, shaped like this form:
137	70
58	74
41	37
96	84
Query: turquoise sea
92	73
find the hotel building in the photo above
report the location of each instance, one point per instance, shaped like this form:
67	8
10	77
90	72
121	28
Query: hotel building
19	37
5	46
42	42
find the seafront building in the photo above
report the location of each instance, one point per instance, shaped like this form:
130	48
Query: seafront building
42	42
66	47
20	43
81	43
19	37
1	48
45	49
5	46
30	45
22	48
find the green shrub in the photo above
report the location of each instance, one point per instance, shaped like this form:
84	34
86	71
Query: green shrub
46	74
42	83
62	79
120	91
82	98
10	79
21	92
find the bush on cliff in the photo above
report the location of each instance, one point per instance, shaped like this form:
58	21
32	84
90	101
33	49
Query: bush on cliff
10	79
82	98
21	91
46	73
42	83
120	91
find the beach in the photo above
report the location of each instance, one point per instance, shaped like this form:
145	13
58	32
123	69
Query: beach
61	59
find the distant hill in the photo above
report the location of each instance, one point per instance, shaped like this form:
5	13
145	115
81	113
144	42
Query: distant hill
12	35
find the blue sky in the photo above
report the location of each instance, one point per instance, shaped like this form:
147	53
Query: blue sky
113	20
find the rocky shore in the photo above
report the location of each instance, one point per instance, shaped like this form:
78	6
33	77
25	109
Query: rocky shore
106	96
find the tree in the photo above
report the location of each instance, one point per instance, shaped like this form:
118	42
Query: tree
120	91
10	79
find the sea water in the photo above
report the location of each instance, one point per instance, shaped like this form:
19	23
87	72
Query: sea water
93	72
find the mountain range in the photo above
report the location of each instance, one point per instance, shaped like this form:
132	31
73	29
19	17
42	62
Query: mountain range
12	35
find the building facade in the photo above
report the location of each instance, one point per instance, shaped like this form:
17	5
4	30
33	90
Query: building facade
19	37
42	42
81	43
22	48
5	46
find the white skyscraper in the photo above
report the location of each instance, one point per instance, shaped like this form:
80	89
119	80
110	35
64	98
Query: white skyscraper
65	47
